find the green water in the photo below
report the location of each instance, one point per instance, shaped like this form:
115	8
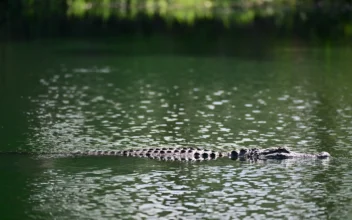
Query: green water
63	96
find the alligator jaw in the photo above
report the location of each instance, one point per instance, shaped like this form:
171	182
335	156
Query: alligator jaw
279	156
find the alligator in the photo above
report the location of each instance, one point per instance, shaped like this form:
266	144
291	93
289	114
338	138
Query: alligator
196	154
192	154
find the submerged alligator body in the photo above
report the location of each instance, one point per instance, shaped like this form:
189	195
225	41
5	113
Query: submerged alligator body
196	154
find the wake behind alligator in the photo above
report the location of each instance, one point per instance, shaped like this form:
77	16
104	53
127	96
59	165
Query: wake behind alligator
196	154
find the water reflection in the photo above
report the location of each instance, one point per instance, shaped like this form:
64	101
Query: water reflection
152	189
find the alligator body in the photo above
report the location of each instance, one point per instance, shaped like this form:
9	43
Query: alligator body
195	154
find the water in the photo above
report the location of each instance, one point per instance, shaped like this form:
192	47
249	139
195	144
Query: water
61	96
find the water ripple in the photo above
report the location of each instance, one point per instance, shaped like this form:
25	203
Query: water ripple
215	190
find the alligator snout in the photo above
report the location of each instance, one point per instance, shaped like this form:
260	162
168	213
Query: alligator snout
323	155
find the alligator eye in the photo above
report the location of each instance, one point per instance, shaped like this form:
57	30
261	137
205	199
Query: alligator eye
285	150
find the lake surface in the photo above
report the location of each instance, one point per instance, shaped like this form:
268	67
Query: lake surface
63	96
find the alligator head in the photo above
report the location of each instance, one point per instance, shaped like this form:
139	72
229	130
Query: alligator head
273	153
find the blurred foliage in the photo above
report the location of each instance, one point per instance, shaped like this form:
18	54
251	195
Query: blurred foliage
311	17
184	11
